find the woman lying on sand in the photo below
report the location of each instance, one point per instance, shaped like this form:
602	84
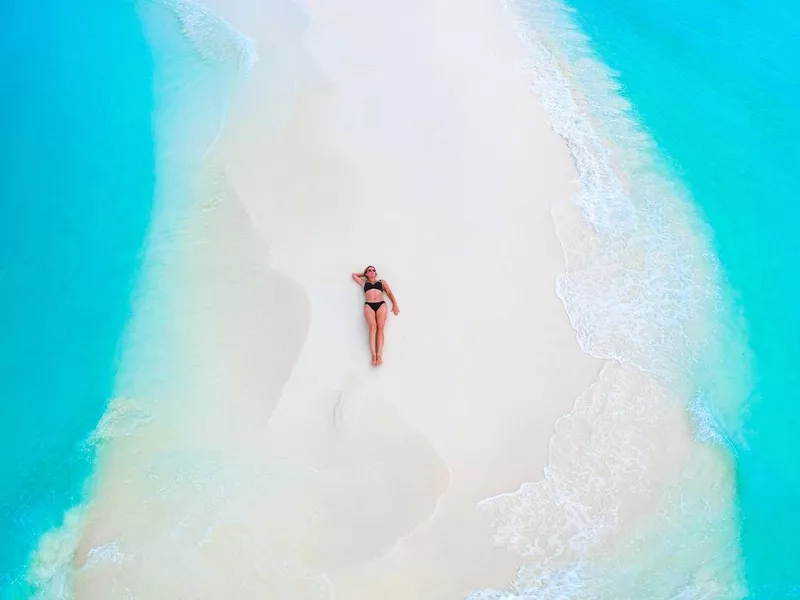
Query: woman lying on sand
375	309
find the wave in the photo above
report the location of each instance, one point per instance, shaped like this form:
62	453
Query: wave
637	463
213	38
641	289
644	236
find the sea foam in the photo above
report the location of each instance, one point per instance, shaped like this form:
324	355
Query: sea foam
633	476
213	38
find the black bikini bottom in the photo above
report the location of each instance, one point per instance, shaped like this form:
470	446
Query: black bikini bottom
375	305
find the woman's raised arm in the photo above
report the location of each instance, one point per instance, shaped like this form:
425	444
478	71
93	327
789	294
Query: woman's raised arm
358	278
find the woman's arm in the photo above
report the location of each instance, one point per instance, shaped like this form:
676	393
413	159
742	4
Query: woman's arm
388	290
358	278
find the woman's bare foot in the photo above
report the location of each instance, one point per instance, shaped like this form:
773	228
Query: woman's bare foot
374	362
379	361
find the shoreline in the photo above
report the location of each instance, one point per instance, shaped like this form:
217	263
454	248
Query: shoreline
432	555
394	482
260	454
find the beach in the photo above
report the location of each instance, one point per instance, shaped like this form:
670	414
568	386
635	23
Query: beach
250	449
366	479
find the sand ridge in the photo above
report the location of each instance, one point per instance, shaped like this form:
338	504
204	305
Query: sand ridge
408	139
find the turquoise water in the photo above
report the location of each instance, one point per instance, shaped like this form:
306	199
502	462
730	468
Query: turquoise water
76	186
717	85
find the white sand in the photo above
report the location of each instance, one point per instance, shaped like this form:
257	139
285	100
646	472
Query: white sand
270	460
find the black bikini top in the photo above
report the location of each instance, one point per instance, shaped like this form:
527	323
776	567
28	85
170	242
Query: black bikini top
378	285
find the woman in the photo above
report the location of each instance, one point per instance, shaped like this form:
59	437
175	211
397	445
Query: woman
375	309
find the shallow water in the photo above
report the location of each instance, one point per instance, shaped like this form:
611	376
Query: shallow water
717	86
713	86
76	183
671	278
638	499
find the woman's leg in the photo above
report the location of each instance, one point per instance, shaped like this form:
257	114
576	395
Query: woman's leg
369	315
380	321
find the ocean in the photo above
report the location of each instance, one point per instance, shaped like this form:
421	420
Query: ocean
114	106
716	85
76	189
681	119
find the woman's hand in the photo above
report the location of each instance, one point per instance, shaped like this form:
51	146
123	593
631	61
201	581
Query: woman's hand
388	290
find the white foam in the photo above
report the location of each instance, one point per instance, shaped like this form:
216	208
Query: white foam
107	553
642	289
557	585
600	458
632	288
213	38
51	571
707	427
122	418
